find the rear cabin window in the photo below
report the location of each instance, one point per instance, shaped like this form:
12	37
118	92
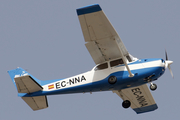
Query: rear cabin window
116	62
102	66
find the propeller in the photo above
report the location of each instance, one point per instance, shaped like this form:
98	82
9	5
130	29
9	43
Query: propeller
168	63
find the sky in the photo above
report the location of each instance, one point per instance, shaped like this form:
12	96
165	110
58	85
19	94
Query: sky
44	37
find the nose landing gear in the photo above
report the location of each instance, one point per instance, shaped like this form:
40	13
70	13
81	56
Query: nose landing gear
153	86
149	80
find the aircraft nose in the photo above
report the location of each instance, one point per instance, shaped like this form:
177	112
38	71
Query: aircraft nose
169	62
167	65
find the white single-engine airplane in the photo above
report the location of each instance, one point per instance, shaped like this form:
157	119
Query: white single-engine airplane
116	70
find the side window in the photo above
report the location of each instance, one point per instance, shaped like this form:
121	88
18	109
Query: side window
129	58
116	62
101	66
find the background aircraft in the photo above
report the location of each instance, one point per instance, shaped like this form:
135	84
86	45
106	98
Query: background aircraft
116	70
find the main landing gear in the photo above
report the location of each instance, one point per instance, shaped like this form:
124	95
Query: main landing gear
112	80
153	86
126	104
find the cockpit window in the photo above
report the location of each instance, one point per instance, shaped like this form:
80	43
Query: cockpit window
102	66
162	61
116	62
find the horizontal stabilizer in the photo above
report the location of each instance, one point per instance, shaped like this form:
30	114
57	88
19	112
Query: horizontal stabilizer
26	84
36	103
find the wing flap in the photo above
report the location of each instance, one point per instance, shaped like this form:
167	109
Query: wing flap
26	84
102	50
140	97
36	103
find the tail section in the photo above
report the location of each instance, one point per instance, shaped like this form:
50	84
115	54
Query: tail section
26	83
18	73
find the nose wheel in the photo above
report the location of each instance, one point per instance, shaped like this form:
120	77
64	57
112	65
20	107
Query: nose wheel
153	86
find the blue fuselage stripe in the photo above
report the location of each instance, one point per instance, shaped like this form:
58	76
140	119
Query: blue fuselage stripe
122	81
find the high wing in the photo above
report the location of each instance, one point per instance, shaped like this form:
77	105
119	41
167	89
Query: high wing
140	98
103	42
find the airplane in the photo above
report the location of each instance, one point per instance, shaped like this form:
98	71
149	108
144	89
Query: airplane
116	69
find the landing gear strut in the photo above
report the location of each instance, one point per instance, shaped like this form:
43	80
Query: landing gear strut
153	86
126	104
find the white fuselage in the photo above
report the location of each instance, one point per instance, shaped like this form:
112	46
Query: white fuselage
145	70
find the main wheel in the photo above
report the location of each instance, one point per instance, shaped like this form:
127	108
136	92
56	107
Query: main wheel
126	104
112	80
153	86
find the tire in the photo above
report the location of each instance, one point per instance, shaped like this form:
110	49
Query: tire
112	80
153	87
126	104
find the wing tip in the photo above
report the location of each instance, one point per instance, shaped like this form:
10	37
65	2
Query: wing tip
88	9
146	109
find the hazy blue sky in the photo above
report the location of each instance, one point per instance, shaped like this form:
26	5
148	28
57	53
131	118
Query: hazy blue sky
44	37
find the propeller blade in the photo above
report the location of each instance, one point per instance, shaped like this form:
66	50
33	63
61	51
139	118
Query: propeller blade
168	63
171	71
166	55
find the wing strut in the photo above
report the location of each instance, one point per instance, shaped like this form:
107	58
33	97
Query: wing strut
123	58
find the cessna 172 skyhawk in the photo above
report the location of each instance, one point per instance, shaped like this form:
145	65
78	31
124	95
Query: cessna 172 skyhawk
116	70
